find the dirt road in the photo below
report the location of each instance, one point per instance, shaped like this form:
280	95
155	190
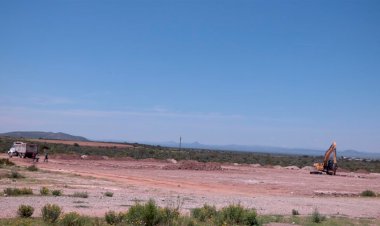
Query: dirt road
269	190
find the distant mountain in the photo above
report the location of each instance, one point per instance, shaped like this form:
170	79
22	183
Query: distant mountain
44	135
270	149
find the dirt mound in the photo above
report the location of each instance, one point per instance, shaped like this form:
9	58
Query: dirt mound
194	165
308	168
292	167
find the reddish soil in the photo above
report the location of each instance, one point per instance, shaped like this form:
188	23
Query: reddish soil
269	190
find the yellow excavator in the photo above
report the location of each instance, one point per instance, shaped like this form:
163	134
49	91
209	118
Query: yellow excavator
328	166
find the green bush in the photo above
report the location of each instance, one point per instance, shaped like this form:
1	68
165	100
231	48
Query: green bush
148	214
204	213
44	191
25	211
113	218
295	212
56	192
368	193
18	191
232	214
108	194
51	213
80	195
169	215
32	168
15	175
74	219
316	217
250	218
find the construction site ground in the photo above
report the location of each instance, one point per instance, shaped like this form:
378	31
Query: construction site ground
270	190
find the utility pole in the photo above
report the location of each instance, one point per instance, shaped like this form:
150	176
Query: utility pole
180	143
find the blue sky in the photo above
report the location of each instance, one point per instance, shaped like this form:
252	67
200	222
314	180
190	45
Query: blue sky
279	73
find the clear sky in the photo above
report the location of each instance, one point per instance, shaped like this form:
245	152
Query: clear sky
272	72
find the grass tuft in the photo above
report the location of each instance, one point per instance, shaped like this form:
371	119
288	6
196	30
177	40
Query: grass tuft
57	192
108	194
25	211
18	191
368	193
50	213
32	168
80	195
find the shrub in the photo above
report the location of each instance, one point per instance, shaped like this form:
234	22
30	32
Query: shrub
74	219
56	192
15	174
32	168
148	214
108	194
316	217
18	191
232	214
368	193
80	194
250	218
169	215
295	212
25	211
113	218
6	162
51	213
204	213
236	215
44	191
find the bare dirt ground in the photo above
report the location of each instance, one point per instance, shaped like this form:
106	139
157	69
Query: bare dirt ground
269	190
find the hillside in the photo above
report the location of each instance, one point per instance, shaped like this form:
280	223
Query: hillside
44	135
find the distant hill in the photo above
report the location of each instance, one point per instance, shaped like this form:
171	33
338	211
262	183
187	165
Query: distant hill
44	135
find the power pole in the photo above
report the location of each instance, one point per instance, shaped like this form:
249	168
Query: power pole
180	143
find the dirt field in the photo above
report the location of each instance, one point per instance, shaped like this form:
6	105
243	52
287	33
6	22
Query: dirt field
269	190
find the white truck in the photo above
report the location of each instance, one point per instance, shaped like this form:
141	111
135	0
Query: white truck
23	150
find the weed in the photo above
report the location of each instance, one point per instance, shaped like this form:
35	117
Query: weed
80	195
25	211
113	218
44	191
148	214
32	168
295	212
15	175
6	162
51	213
57	192
232	214
108	194
368	193
316	217
74	219
204	213
18	191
